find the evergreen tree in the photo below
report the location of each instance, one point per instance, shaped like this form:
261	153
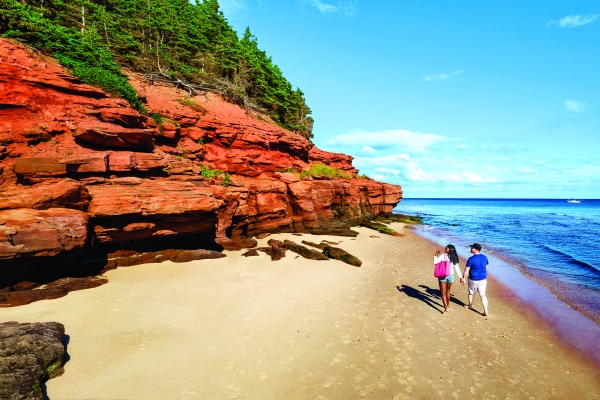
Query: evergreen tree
191	42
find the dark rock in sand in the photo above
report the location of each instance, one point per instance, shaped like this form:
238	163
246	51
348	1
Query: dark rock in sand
276	253
275	242
28	292
129	258
379	227
316	246
305	251
342	255
251	253
30	354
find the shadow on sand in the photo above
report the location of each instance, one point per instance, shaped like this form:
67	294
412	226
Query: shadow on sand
423	296
429	296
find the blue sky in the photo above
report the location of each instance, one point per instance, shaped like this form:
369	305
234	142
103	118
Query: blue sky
448	99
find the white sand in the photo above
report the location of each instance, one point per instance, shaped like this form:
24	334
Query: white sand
297	329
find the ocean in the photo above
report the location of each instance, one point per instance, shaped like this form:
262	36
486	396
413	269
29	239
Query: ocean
553	242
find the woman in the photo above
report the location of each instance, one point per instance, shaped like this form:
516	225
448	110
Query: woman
446	283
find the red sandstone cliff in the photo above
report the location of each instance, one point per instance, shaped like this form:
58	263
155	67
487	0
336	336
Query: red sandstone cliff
82	172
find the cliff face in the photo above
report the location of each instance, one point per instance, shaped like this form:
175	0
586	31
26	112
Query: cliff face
84	174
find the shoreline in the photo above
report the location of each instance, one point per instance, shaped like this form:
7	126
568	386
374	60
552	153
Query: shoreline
252	328
572	328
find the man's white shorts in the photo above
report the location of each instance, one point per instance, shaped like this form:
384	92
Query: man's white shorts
477	286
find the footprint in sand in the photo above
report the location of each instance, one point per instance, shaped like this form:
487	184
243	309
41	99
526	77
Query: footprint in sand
328	382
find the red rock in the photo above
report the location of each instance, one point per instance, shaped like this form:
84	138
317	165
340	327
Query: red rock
125	117
40	166
90	163
66	193
169	131
149	162
287	177
122	161
112	136
52	127
153	198
42	233
194	134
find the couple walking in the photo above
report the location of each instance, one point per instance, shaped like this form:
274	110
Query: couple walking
475	271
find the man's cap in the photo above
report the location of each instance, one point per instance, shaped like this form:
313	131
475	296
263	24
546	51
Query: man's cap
476	246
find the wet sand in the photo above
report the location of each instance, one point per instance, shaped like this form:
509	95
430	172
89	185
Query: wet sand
251	328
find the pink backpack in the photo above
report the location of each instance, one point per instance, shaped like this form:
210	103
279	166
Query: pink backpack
443	268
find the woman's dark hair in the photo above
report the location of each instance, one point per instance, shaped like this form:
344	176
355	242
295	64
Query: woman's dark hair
452	255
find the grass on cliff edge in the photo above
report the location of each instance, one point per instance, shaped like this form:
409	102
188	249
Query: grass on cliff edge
320	170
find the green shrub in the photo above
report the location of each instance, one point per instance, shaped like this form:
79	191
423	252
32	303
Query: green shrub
156	117
226	180
324	170
210	173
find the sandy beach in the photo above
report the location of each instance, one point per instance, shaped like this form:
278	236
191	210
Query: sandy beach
251	328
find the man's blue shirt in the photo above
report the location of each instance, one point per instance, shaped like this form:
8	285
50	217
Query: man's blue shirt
478	264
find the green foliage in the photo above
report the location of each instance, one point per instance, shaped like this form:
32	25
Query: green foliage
82	51
407	219
226	180
201	142
156	117
190	42
324	170
186	101
210	173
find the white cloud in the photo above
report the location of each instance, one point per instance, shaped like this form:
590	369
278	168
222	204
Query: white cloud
399	138
345	7
367	150
401	168
574	21
441	77
576	106
471	177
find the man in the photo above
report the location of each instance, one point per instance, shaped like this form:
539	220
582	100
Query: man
476	271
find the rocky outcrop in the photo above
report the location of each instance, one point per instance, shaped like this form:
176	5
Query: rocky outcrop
30	354
84	176
55	232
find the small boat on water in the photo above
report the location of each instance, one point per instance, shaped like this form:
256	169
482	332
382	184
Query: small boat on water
571	200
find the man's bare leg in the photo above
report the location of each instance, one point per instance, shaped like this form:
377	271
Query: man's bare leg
484	301
470	306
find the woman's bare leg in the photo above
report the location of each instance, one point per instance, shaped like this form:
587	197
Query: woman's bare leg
444	296
448	286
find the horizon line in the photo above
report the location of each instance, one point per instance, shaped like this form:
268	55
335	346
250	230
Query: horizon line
492	198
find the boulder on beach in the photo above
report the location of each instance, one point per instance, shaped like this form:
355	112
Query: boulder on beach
30	354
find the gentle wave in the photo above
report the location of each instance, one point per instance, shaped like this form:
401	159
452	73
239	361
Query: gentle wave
570	259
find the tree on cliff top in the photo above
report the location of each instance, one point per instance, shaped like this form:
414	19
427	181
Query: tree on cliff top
191	42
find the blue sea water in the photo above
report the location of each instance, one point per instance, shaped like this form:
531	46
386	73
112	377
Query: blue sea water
555	237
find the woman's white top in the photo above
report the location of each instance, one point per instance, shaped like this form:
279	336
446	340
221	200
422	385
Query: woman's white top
444	257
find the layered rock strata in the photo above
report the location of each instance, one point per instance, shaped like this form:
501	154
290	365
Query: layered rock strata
84	176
